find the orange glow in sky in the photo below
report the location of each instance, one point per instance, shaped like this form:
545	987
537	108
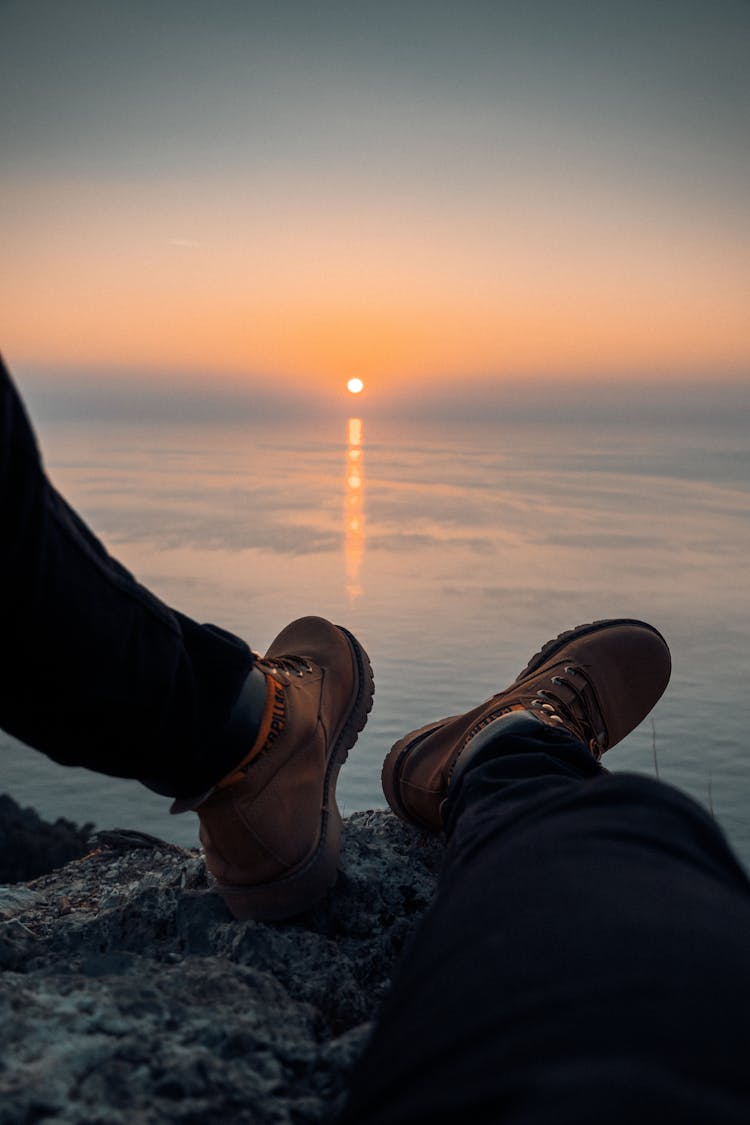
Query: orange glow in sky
493	211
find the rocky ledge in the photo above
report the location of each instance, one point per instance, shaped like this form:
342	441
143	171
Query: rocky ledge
129	994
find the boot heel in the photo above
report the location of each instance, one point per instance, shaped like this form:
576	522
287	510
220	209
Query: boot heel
274	902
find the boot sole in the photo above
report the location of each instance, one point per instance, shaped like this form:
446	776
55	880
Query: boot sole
401	749
302	889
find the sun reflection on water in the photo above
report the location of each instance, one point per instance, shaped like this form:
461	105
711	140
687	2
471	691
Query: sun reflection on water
354	520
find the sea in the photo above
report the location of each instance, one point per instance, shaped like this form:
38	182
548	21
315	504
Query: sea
453	548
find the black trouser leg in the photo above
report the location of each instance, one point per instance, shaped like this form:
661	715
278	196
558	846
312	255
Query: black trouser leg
96	671
586	957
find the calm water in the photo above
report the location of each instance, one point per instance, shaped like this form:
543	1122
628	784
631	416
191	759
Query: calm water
453	553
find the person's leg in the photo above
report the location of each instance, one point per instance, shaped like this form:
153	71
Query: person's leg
100	673
585	958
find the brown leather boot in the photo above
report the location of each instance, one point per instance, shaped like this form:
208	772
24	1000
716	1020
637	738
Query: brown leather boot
271	828
598	681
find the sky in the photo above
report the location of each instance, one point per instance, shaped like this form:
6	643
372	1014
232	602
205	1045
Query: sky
420	194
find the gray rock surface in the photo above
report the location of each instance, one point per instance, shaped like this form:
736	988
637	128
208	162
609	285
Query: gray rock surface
129	994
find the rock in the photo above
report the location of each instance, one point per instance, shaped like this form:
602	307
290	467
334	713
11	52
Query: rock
128	992
15	899
29	846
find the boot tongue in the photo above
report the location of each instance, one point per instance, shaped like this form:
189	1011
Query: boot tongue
259	728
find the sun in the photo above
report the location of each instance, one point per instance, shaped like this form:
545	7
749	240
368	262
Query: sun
355	386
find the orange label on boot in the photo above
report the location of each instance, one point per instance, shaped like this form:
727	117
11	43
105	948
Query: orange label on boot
272	726
277	723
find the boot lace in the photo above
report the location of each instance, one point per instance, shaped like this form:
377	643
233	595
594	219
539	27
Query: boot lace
283	666
574	708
